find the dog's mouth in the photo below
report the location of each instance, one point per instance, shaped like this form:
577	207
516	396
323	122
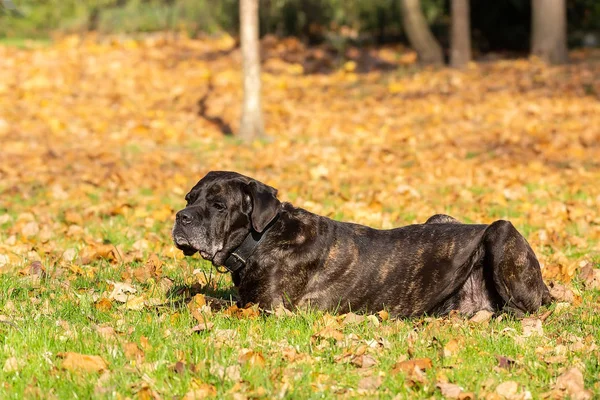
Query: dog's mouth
184	245
187	249
206	255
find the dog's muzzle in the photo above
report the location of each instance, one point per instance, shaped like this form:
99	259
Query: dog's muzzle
184	245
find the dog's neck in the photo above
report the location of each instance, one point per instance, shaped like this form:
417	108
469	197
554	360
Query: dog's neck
238	257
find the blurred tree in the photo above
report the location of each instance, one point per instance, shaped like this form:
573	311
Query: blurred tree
419	35
460	51
251	124
549	30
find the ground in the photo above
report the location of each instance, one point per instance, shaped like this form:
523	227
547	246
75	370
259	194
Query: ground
101	138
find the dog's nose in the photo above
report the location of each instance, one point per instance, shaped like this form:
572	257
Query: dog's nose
184	217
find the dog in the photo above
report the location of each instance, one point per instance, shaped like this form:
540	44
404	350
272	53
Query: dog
279	254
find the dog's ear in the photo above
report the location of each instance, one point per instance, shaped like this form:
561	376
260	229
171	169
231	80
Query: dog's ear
265	204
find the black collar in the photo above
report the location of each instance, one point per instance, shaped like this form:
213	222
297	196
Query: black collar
237	259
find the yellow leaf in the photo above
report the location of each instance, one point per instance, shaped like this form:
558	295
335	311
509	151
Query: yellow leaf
76	362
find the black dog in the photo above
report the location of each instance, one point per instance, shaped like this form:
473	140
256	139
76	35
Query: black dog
280	254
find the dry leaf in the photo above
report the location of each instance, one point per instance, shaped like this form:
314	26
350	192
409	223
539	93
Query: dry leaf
135	302
133	352
481	316
451	348
203	326
384	315
329	333
373	320
252	358
12	364
449	390
121	291
508	390
250	311
532	327
281	311
364	361
201	391
370	383
197	301
107	332
352	319
409	365
561	292
505	362
572	383
232	372
590	276
103	304
76	362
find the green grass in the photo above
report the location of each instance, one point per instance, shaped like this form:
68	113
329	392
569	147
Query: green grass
57	314
24	43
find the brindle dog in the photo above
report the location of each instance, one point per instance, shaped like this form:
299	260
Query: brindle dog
280	254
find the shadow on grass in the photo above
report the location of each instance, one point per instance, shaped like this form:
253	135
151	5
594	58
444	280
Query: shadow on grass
218	299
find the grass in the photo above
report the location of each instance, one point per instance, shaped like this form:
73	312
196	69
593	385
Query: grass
24	43
52	318
96	208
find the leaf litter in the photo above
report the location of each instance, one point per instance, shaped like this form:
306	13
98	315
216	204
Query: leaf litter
510	139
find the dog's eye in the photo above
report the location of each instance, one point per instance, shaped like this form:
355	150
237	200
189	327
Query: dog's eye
190	198
219	206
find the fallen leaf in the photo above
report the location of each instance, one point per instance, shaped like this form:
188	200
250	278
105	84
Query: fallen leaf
30	229
571	382
409	365
281	311
133	352
481	316
201	391
505	362
449	390
35	269
145	343
103	304
329	333
12	364
251	357
373	320
107	332
532	326
451	348
364	361
352	319
231	372
508	390
147	393
251	311
203	326
384	315
590	276
561	292
121	291
135	302
76	362
370	383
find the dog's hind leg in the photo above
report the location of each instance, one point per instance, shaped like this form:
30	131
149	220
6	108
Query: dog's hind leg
442	219
515	269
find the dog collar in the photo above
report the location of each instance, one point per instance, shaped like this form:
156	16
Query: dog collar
237	259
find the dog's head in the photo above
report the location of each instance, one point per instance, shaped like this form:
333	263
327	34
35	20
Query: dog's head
222	208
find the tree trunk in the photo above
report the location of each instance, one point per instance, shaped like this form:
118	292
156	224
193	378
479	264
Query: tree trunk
419	35
460	52
251	124
549	30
